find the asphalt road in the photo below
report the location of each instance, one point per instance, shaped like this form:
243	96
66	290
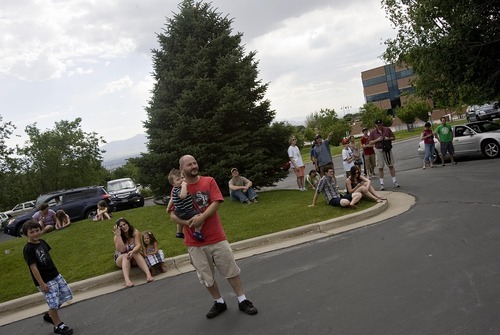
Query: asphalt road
432	270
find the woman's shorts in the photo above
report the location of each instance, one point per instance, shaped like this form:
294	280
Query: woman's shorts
300	172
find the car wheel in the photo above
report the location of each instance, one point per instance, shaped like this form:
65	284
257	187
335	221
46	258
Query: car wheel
91	213
490	149
435	158
19	230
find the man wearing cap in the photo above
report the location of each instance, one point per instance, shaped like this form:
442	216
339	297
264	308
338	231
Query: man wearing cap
240	188
323	155
381	137
368	154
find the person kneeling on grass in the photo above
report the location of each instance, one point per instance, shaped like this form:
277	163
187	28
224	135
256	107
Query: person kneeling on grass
328	187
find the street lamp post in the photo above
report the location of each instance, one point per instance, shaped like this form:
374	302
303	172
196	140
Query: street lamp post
345	109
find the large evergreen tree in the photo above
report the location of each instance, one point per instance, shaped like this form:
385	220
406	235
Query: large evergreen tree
208	102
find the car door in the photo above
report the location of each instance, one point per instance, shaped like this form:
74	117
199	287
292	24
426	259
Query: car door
72	205
465	141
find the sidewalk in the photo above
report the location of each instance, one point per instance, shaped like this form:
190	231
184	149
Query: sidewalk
397	203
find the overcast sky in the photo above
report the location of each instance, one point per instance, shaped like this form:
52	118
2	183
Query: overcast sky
63	59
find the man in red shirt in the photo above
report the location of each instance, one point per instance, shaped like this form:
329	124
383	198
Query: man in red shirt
214	251
381	137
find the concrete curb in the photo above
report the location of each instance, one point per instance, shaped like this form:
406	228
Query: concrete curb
34	304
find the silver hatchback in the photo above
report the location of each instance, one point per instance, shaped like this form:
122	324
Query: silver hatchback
468	142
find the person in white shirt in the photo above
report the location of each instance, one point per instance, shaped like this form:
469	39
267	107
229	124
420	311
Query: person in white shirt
296	163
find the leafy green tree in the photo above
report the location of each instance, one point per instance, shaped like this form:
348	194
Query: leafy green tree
419	108
407	115
326	121
6	130
129	170
451	46
63	157
208	102
369	113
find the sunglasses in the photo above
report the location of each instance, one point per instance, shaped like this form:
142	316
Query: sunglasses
117	223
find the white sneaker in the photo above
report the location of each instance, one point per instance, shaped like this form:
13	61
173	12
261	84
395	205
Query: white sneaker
396	185
382	187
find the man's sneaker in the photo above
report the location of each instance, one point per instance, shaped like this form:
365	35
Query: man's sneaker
47	318
63	329
247	307
216	309
382	187
396	185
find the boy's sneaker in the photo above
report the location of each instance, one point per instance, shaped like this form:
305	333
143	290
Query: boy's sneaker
63	329
247	307
47	318
179	235
396	185
216	309
382	187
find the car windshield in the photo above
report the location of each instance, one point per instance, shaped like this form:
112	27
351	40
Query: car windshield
485	127
41	199
490	126
120	185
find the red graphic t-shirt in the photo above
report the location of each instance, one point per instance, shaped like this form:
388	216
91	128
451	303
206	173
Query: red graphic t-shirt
204	192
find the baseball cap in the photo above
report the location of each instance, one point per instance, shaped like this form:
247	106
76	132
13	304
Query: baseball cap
234	169
378	121
317	136
345	141
364	128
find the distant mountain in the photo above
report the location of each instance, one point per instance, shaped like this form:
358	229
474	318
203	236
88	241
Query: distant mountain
117	152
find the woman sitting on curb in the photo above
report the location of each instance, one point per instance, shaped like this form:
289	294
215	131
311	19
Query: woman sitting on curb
358	183
128	250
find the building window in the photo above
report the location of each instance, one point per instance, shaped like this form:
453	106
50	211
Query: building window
373	81
377	97
404	73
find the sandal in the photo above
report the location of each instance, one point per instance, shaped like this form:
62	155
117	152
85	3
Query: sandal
199	236
150	279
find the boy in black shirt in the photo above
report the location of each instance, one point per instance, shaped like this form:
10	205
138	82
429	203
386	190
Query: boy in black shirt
45	276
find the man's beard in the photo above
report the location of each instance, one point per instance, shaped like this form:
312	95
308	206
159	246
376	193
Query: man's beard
194	172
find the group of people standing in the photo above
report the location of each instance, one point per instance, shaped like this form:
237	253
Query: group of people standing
375	153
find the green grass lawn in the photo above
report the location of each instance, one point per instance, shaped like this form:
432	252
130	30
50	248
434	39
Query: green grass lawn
86	248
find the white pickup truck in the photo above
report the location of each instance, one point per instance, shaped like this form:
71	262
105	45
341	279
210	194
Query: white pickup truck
21	208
